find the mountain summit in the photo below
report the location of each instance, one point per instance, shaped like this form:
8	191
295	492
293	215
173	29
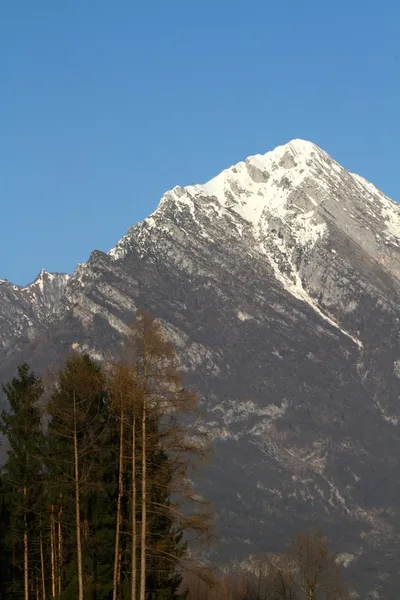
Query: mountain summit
289	204
279	283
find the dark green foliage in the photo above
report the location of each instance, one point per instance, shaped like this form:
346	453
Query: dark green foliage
166	545
96	437
5	553
37	492
22	475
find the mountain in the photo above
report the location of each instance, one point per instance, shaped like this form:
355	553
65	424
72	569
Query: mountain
278	281
24	311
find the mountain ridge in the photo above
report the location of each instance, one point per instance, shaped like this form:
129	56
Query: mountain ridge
286	320
307	232
299	147
40	277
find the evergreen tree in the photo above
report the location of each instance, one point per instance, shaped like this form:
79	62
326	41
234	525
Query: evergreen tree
86	509
166	546
81	467
23	477
5	555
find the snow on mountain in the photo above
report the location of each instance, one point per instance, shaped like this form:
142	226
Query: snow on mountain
255	188
25	310
279	282
46	291
288	198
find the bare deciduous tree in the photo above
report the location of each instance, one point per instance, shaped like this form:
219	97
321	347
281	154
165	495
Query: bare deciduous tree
151	403
308	571
315	566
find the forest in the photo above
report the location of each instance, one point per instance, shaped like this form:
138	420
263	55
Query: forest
97	493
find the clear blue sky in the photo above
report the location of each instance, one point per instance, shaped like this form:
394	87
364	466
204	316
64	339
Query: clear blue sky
105	105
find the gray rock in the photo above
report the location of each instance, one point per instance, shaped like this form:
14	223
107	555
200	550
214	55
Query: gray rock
279	283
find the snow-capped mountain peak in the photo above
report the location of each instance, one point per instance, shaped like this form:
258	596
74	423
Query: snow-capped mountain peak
257	186
266	180
278	281
261	181
284	203
276	194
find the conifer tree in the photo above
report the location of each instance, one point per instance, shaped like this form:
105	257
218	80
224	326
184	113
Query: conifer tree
23	475
5	554
81	469
89	509
122	394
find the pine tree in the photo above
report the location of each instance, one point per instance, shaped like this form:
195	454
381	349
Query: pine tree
23	475
5	554
81	467
89	510
166	546
122	394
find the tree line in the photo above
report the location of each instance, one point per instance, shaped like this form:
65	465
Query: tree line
96	494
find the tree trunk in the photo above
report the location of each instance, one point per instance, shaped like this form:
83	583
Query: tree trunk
144	505
42	568
143	539
117	562
77	507
13	563
60	549
53	553
26	574
134	534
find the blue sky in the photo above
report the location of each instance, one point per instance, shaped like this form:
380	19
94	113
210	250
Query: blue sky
106	105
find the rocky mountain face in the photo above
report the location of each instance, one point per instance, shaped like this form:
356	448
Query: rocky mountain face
278	281
24	311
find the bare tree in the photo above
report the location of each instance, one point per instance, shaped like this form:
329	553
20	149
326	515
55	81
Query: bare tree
306	570
157	450
315	568
214	584
159	407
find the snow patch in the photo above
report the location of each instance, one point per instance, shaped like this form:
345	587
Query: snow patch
295	287
385	415
396	368
243	316
345	558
